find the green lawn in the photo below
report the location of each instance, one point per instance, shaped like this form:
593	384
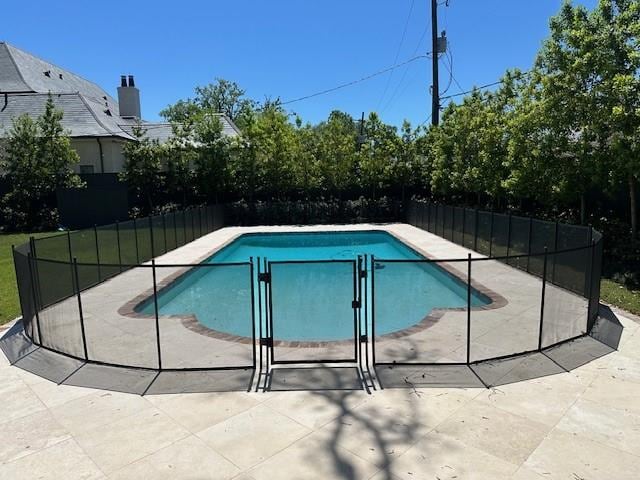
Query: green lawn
9	305
618	295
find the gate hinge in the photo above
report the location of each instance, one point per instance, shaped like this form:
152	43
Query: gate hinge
363	274
266	342
355	304
264	277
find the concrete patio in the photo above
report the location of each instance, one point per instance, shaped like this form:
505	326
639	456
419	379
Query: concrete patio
582	424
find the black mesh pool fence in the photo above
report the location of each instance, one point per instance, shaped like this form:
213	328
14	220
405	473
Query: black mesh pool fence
97	295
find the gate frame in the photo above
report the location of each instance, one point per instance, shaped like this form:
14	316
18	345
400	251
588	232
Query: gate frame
355	307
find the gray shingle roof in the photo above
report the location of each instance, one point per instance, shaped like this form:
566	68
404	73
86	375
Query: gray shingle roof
162	131
22	72
83	117
88	109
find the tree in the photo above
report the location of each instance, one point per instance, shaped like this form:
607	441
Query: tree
211	157
617	23
38	159
377	155
336	152
222	96
142	168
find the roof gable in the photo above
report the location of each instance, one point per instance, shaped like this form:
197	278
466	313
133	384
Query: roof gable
22	72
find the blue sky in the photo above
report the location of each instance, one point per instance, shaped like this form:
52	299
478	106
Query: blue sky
282	48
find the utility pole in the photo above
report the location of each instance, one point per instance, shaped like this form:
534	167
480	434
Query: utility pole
435	87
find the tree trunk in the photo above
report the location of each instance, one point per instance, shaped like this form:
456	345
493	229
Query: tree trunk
633	205
583	209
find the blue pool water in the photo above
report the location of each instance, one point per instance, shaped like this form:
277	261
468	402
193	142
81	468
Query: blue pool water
312	301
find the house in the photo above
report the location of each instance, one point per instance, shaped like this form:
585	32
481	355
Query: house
99	125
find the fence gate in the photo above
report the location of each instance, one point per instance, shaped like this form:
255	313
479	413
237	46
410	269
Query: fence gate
313	311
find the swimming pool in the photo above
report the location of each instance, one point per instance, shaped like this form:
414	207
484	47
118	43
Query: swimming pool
312	299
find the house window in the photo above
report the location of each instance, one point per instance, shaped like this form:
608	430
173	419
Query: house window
86	169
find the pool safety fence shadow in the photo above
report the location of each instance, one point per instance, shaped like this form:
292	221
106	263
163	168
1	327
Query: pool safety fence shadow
527	303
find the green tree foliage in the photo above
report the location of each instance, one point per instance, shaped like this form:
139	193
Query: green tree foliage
142	168
37	160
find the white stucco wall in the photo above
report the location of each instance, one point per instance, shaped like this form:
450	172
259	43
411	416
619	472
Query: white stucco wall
89	151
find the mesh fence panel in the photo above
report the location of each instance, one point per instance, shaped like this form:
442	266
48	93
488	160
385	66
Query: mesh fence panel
171	234
507	322
596	271
312	316
542	235
458	225
180	228
469	228
143	237
519	242
500	235
205	316
569	269
188	226
128	243
26	292
54	247
447	222
159	235
420	312
116	331
59	317
565	311
483	242
109	250
432	214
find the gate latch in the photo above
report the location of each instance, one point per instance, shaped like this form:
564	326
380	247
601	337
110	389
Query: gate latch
264	277
355	304
266	342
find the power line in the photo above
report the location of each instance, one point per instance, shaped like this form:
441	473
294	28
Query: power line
354	82
404	33
404	73
482	87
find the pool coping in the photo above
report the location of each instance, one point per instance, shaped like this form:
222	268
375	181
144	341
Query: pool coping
191	322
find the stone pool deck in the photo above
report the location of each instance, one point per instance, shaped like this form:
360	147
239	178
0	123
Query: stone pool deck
570	413
581	424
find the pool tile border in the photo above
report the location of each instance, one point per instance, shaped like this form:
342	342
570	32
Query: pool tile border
191	322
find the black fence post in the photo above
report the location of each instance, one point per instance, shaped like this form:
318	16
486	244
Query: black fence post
157	314
469	309
428	208
373	311
555	249
70	252
34	297
475	231
587	279
164	231
453	224
76	284
253	313
135	236
95	235
118	243
590	280
491	235
530	236
153	250
175	229
464	226
509	235
184	225
36	271
544	284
